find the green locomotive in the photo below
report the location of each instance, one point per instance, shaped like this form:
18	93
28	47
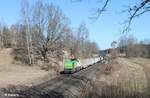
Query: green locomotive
72	65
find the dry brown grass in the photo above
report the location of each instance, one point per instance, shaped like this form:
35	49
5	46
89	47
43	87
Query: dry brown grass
127	80
12	74
145	64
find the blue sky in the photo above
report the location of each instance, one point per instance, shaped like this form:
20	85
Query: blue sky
103	31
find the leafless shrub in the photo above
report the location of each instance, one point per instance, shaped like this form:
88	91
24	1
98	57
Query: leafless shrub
130	46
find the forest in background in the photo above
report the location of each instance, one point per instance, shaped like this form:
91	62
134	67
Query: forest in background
44	34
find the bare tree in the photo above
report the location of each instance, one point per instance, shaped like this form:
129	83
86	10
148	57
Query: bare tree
82	36
78	43
39	23
122	44
55	29
25	11
91	49
49	26
101	9
145	47
113	51
1	35
133	48
7	37
45	33
14	29
68	38
141	7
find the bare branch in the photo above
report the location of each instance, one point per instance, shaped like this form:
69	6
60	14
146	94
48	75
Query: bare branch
136	11
100	10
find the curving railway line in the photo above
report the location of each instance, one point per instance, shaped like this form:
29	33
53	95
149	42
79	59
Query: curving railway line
77	85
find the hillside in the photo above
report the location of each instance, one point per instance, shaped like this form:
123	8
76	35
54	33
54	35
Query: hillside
12	74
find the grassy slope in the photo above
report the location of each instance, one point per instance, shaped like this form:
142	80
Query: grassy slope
12	74
129	77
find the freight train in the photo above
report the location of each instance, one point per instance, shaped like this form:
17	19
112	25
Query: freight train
71	66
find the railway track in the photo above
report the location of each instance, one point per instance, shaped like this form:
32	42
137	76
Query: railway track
63	86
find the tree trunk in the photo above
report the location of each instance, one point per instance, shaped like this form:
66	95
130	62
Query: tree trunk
28	46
